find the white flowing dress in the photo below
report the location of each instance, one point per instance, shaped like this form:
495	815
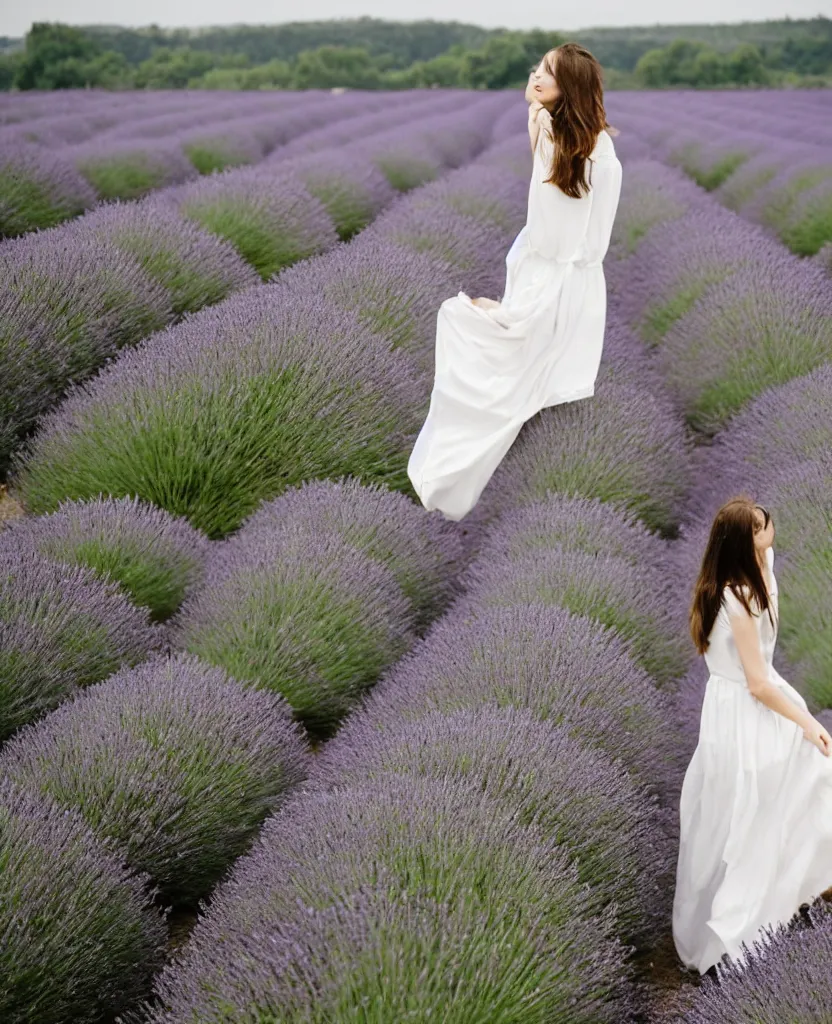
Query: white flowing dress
495	368
755	809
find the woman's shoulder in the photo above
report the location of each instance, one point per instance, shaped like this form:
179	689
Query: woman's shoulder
604	146
732	603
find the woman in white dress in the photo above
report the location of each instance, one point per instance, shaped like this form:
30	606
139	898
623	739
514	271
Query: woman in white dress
756	803
499	363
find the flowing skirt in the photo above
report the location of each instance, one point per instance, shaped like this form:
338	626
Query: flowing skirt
755	825
496	368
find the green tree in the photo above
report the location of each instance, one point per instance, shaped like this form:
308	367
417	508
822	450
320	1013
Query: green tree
328	67
54	57
746	66
173	69
445	71
501	63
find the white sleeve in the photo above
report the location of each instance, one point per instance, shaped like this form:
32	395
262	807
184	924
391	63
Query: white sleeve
606	191
733	604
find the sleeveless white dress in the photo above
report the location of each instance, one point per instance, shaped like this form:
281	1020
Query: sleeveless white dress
755	809
496	368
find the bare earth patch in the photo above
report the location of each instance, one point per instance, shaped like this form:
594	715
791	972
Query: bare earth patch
9	508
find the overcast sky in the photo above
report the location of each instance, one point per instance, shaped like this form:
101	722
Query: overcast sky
17	15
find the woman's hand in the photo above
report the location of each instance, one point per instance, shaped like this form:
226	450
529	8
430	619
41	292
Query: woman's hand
815	733
531	95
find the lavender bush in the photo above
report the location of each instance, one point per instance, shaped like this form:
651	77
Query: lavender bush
211	150
128	170
393	290
465	243
767	323
272	222
784	426
307	616
61	628
351	188
576	795
423	552
79	940
651	194
327	965
676	262
66	306
563	669
550	957
800	497
156	558
231	407
587	525
623	445
607	588
38	189
785	978
173	760
195	267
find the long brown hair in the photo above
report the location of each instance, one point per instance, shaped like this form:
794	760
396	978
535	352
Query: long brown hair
577	117
730	559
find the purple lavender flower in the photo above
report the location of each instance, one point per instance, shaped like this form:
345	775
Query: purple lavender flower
38	189
785	978
427	840
677	261
769	322
352	189
562	668
79	939
229	408
467	244
422	551
581	797
782	427
608	588
127	170
307	616
588	525
651	194
214	148
66	306
195	267
156	558
173	760
271	221
393	290
61	628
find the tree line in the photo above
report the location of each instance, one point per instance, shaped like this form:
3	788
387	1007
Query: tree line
371	54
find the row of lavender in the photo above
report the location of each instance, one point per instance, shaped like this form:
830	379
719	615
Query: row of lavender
767	156
74	296
55	168
741	331
343	576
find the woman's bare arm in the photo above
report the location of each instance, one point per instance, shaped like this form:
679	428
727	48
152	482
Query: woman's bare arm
756	675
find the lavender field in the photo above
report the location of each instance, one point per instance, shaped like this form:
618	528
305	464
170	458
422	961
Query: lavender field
276	744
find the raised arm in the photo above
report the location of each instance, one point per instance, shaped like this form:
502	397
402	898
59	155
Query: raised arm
747	640
535	107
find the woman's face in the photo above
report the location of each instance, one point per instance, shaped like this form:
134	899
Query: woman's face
544	85
763	529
